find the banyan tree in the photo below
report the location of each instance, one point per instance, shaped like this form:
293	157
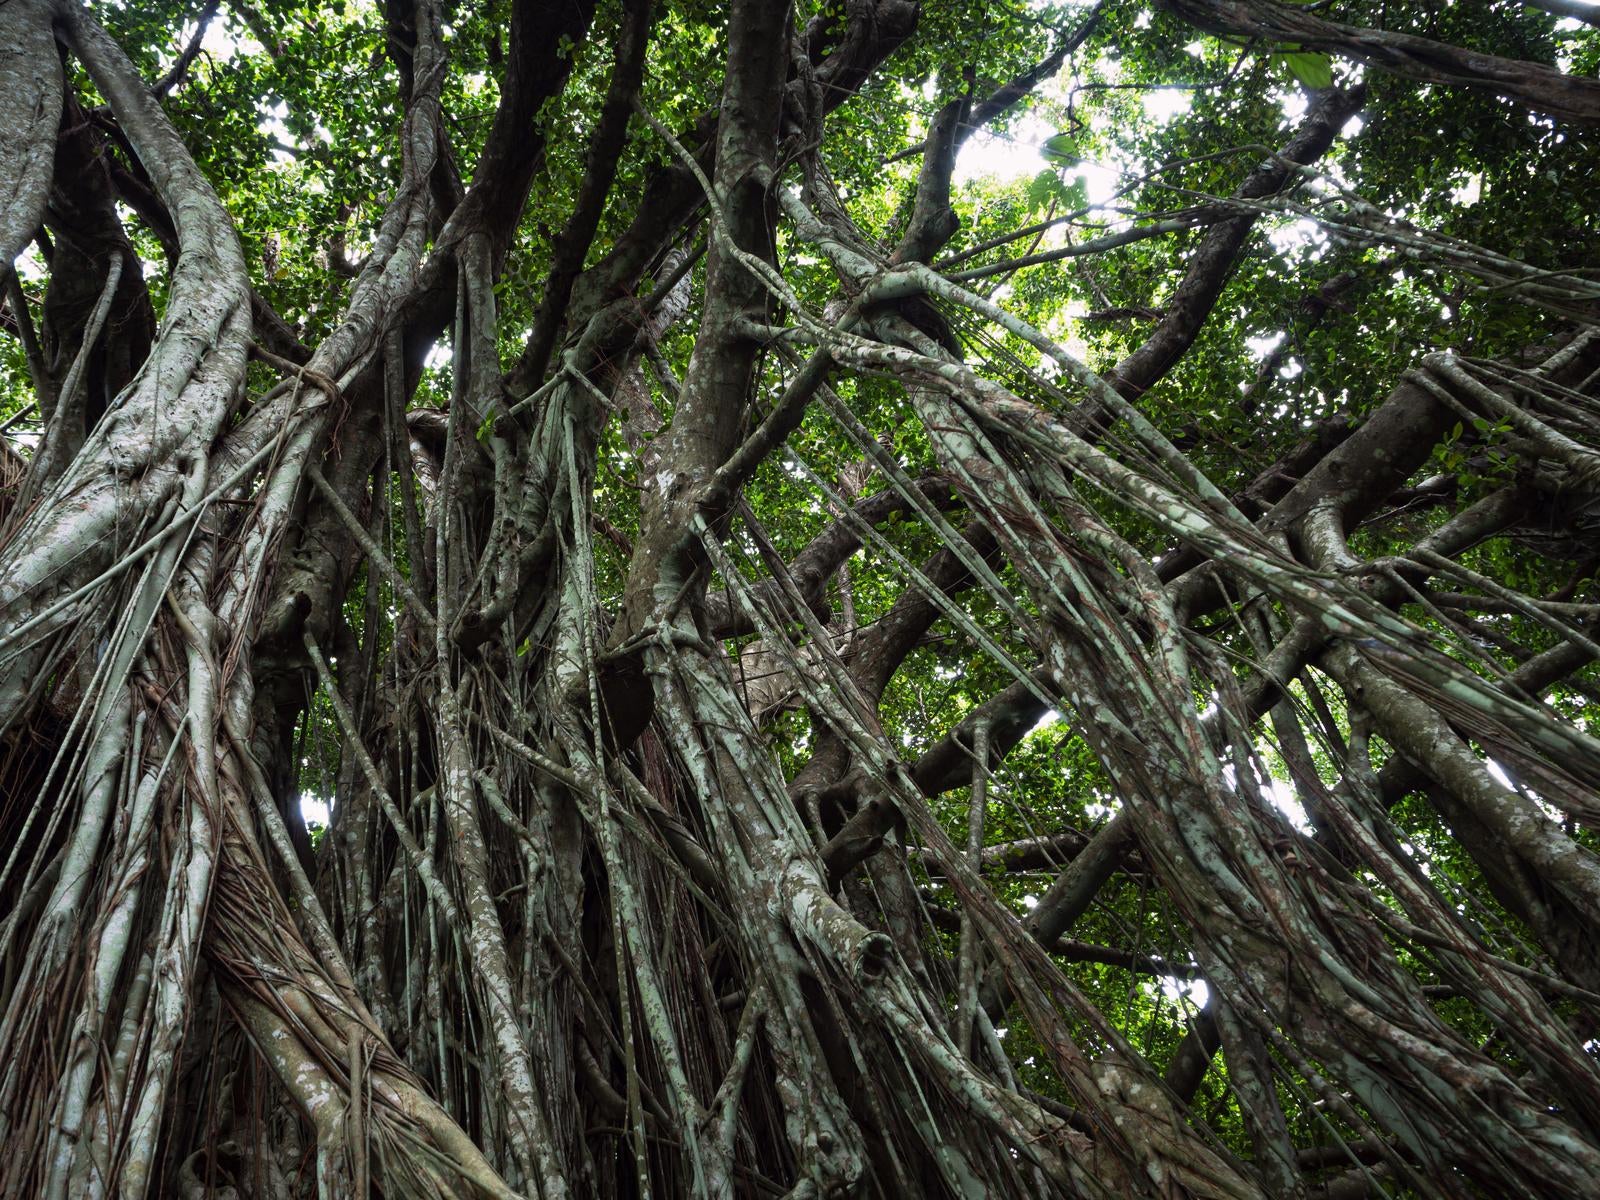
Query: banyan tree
872	598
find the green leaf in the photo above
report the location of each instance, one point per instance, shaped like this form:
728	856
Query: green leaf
1061	149
1313	70
1075	195
1043	188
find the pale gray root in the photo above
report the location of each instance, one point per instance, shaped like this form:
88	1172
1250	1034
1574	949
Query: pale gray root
30	111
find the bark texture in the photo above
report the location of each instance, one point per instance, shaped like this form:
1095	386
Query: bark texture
631	885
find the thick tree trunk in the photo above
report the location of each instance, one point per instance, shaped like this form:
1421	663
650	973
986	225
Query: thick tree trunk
583	923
